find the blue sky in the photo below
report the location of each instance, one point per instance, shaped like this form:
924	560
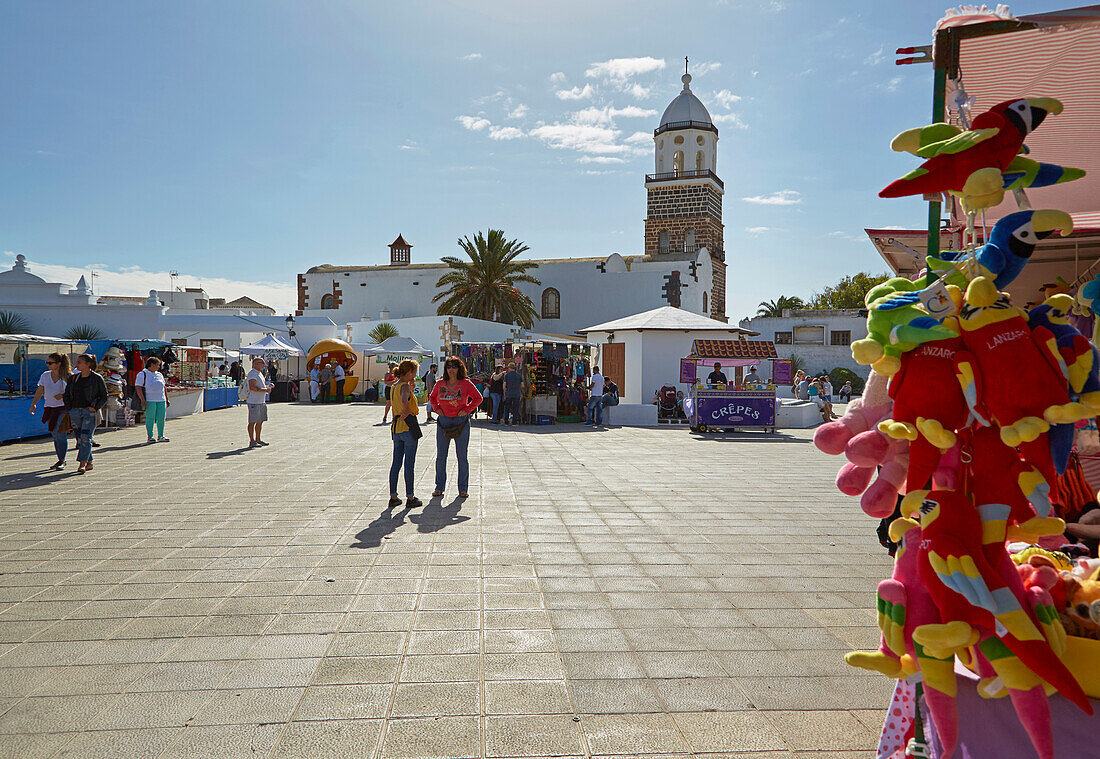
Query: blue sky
241	142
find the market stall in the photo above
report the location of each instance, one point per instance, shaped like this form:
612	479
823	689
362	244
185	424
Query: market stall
22	361
272	349
393	349
717	406
333	351
186	381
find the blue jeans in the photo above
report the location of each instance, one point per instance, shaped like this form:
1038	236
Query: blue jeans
404	450
443	445
83	422
511	409
595	409
60	444
498	405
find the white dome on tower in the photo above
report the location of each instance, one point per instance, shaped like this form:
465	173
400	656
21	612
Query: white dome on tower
686	107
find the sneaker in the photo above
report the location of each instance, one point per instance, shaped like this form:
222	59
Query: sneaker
253	444
151	440
58	466
262	443
412	502
162	440
587	424
95	444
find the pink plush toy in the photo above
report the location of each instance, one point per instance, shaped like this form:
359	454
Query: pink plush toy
856	436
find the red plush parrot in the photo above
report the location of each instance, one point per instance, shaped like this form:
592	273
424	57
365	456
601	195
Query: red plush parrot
970	163
955	568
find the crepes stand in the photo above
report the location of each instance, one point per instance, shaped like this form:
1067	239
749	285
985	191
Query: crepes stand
731	406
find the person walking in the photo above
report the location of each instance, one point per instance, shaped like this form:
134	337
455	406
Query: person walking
846	392
314	383
429	384
595	399
454	398
338	375
406	434
326	381
85	394
258	390
51	388
236	373
388	381
513	393
496	392
150	388
827	388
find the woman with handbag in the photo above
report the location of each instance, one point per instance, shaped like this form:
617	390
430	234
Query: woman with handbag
85	394
405	432
454	398
150	387
51	387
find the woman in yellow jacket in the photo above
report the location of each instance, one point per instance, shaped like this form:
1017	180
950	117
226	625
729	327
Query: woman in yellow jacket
405	436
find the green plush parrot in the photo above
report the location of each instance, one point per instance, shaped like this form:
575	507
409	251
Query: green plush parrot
894	330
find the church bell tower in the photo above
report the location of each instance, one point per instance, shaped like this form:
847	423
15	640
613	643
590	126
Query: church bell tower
684	194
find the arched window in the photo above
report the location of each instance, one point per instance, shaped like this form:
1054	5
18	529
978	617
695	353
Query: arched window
327	301
689	241
662	241
678	162
706	308
551	304
699	160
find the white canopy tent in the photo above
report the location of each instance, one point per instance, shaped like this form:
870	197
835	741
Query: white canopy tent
268	344
396	346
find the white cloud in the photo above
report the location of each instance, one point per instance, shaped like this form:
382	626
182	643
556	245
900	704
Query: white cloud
558	77
410	145
519	112
780	198
892	85
600	159
584	138
847	236
640	138
135	281
893	226
729	118
621	69
704	67
473	123
576	93
505	133
607	114
637	91
757	230
724	98
470	57
876	57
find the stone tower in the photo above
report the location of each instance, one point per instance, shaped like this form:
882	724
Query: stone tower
684	203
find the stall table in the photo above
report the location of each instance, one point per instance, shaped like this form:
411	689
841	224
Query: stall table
184	401
16	421
219	397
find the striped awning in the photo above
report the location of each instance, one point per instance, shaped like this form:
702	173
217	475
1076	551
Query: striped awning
1057	59
733	349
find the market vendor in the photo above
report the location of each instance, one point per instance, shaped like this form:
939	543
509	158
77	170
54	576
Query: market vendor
752	378
717	377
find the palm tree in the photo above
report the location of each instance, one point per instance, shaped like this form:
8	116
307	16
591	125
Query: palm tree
775	308
485	286
12	323
382	332
83	332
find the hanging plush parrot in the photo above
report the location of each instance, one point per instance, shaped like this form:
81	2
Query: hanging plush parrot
967	587
970	164
1024	174
1013	240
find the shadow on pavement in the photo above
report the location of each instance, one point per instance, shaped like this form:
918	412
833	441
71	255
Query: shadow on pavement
34	479
386	523
436	516
223	454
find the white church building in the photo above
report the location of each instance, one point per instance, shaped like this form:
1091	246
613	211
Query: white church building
683	264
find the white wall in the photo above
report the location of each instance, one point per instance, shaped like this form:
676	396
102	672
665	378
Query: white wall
120	322
589	295
816	357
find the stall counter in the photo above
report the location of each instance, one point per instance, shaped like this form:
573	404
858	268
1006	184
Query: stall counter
720	408
16	421
184	401
219	397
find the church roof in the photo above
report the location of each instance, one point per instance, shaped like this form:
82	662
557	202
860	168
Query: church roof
18	274
399	243
686	109
689	256
667	318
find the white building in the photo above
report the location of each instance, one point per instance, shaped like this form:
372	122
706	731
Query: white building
822	339
51	308
683	263
642	353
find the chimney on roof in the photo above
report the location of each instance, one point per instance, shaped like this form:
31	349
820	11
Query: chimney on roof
400	252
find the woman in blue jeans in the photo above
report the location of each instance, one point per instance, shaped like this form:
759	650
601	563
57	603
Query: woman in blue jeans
51	388
403	403
454	398
85	394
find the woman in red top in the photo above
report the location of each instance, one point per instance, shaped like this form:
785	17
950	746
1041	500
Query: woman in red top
454	398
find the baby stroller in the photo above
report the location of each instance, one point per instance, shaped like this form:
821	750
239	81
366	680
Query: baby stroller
667	407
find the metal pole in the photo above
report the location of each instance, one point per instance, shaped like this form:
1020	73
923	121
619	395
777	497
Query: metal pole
939	98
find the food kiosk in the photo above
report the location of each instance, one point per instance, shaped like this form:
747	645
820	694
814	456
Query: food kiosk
333	351
735	405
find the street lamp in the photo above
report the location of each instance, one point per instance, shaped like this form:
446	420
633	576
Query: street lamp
290	324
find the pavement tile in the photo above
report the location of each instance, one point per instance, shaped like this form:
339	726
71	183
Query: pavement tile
432	738
633	734
617	695
436	699
328	740
349	670
343	702
728	731
245	706
527	697
223	741
120	744
532	736
439	668
830	730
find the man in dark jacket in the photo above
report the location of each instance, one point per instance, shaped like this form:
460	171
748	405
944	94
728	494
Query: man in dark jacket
85	395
